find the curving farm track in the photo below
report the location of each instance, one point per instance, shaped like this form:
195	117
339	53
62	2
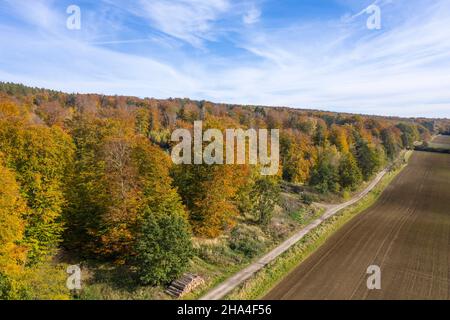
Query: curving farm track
406	232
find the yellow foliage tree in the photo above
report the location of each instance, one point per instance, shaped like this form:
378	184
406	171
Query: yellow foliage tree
338	137
12	226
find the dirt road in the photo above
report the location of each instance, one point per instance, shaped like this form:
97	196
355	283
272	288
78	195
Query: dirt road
406	233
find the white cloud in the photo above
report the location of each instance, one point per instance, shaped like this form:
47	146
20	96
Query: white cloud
401	70
37	13
49	55
76	67
252	16
188	20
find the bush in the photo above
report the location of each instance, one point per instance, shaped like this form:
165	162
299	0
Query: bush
218	254
308	199
248	240
44	281
5	287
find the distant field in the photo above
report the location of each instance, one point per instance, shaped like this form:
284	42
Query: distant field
406	233
441	142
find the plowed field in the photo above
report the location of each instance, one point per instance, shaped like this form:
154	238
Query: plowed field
406	233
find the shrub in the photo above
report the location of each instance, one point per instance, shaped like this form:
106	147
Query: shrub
10	289
308	199
248	240
218	254
44	281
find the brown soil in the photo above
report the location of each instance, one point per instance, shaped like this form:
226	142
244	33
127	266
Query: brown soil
406	233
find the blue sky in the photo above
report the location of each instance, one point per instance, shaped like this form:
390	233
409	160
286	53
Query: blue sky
298	53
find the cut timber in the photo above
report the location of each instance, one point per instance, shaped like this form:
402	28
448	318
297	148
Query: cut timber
184	285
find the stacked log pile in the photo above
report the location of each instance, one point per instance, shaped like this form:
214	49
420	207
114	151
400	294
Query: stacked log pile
184	285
